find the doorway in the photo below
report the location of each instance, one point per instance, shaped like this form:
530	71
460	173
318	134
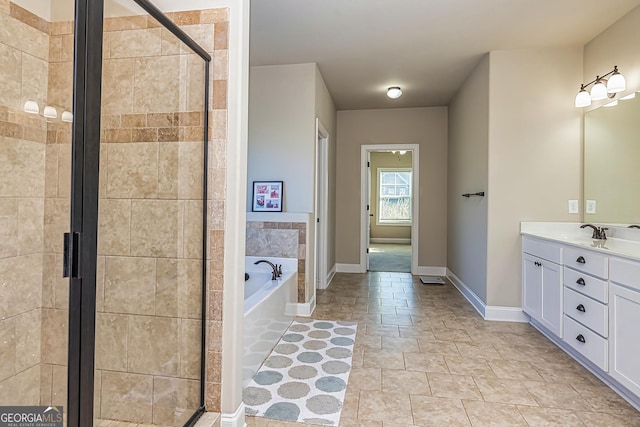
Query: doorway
390	208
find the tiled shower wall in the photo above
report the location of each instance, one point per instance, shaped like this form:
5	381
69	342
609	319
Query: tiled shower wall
280	239
150	214
24	42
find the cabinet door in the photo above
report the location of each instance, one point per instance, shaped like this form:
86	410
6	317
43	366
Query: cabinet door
551	312
624	336
531	285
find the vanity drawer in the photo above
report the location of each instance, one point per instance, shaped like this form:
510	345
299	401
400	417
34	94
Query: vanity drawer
625	272
542	250
586	284
587	261
590	313
595	348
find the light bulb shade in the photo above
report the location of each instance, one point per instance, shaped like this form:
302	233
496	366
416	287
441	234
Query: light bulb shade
67	116
612	103
394	92
630	96
31	107
50	112
583	99
599	91
616	83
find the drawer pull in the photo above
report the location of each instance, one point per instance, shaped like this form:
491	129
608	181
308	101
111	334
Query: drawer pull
580	307
580	282
581	338
581	260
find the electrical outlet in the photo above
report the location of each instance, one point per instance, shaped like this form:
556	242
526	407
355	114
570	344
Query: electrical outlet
590	207
573	206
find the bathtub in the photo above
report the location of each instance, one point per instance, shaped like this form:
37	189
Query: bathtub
267	309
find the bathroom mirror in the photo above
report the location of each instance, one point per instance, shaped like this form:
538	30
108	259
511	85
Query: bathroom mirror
612	163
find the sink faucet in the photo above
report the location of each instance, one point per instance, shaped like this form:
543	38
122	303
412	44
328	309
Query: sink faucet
598	232
634	226
274	274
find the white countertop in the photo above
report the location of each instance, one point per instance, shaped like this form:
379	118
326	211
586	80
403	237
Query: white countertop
571	234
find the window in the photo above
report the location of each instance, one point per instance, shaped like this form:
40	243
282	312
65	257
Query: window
394	196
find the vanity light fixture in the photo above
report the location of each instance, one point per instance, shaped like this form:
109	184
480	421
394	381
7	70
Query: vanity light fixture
394	92
67	116
31	107
630	96
50	112
612	103
602	88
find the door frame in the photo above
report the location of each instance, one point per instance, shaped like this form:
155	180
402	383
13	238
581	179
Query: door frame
365	150
321	205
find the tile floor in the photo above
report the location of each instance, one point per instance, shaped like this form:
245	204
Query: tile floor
424	357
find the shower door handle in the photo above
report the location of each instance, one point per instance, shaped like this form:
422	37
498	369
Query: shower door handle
71	257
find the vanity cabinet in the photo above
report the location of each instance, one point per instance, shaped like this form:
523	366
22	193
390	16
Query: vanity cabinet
542	284
624	300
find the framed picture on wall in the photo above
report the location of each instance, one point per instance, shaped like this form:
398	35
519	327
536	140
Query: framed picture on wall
267	196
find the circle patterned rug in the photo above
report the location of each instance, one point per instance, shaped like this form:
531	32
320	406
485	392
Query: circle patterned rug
305	377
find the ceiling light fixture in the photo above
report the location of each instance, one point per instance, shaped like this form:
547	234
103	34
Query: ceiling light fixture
394	92
602	88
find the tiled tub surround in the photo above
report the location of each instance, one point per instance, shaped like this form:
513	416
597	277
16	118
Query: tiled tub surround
150	226
281	239
584	294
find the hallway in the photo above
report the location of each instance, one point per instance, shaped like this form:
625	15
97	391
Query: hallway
424	357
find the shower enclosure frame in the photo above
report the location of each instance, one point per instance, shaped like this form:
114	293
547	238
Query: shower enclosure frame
80	254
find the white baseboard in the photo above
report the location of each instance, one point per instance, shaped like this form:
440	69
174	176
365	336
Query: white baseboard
302	309
400	241
331	275
431	271
491	312
348	268
233	420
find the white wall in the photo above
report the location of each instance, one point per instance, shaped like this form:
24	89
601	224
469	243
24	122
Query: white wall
282	132
468	173
426	127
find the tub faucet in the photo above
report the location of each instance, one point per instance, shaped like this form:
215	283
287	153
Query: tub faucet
598	232
274	274
634	226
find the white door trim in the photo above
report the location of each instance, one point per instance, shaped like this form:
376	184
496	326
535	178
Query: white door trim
321	208
364	215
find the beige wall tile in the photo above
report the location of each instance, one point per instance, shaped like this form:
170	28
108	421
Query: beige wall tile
22	171
46	381
49	278
193	213
129	285
100	273
126	23
30	225
62	27
7	348
190	348
203	34
23	37
167	282
54	336
132	170
153	345
278	243
59	385
97	393
220	67
10	66
21	389
189	288
60	84
4	6
111	341
155	228
51	170
29	18
56	223
117	86
170	43
222	35
114	222
157	84
174	400
219	124
64	170
34	79
61	285
135	43
8	227
21	285
190	170
168	166
214	15
28	333
127	397
192	83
